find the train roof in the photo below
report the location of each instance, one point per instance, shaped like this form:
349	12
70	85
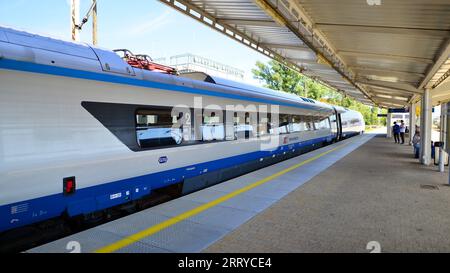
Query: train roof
81	56
201	76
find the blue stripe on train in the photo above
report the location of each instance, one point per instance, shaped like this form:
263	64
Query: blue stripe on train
110	194
87	75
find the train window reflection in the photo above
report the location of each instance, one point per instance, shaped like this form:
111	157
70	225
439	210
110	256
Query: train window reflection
283	126
297	125
323	124
264	124
243	127
213	127
155	127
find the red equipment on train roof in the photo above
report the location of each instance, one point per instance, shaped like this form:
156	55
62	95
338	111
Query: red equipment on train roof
144	62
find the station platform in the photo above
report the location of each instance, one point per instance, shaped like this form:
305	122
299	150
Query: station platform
362	189
378	193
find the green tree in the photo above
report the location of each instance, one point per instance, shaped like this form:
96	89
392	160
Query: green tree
279	77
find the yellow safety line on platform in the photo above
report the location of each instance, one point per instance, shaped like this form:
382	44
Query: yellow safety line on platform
185	215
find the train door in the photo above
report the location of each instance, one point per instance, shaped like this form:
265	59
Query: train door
335	126
339	126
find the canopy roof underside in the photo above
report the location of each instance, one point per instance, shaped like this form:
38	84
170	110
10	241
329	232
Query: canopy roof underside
381	55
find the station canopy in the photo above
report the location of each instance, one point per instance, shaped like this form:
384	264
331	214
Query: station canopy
380	52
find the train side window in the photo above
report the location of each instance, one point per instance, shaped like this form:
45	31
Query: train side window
355	121
213	127
309	125
283	125
155	127
323	124
317	123
264	124
244	125
297	124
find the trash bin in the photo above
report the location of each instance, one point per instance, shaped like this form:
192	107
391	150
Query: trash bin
437	150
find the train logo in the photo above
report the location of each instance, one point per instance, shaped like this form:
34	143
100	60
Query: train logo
163	159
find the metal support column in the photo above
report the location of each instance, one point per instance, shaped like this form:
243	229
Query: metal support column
447	134
412	122
443	123
94	23
389	125
425	128
75	19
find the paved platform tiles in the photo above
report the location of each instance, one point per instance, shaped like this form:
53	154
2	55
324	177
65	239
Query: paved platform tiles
372	194
173	227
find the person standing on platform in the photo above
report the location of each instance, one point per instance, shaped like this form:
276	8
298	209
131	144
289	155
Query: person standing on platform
402	131
416	143
396	131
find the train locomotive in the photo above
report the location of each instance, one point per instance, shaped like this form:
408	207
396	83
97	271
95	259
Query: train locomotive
82	130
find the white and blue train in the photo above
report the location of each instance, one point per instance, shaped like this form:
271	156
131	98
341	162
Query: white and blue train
82	131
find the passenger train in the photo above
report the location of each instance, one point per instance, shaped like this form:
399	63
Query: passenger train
83	131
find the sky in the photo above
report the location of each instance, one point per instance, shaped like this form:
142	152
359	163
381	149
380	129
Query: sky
142	26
